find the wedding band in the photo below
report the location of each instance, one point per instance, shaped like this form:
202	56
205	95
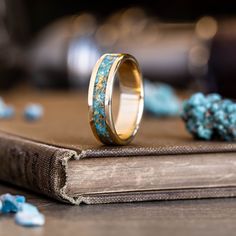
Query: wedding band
122	129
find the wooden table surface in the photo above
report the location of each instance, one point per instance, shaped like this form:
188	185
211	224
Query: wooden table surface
189	217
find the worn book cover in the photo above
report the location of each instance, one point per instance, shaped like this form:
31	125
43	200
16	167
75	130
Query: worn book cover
59	157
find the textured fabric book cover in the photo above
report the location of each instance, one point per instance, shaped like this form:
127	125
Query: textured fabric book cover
48	156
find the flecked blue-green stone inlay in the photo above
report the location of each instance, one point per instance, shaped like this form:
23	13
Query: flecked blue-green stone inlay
99	115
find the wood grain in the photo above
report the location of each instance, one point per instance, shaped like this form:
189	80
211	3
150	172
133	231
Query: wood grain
192	217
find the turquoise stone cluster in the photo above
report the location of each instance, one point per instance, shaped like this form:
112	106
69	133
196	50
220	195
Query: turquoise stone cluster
210	117
160	100
99	93
25	214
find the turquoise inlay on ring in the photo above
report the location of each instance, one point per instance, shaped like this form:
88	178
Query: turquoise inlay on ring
99	92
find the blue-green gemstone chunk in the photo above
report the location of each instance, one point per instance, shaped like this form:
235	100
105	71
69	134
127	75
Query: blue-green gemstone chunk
210	117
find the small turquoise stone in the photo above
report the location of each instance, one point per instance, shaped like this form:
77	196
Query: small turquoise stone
11	203
214	97
231	108
232	118
6	111
199	113
29	219
197	99
204	133
160	100
33	112
20	199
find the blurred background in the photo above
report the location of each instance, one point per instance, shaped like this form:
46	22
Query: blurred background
190	45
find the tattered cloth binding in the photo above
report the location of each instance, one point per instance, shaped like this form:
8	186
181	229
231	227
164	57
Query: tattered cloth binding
58	156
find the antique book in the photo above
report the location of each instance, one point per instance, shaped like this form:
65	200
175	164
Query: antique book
59	157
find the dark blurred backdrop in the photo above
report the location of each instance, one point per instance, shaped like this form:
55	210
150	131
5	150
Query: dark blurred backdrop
41	12
188	44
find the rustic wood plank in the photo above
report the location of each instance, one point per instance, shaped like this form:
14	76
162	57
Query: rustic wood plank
190	217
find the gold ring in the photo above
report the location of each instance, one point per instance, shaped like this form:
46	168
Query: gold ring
101	116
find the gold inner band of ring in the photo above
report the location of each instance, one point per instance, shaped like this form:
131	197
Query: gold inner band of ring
122	128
